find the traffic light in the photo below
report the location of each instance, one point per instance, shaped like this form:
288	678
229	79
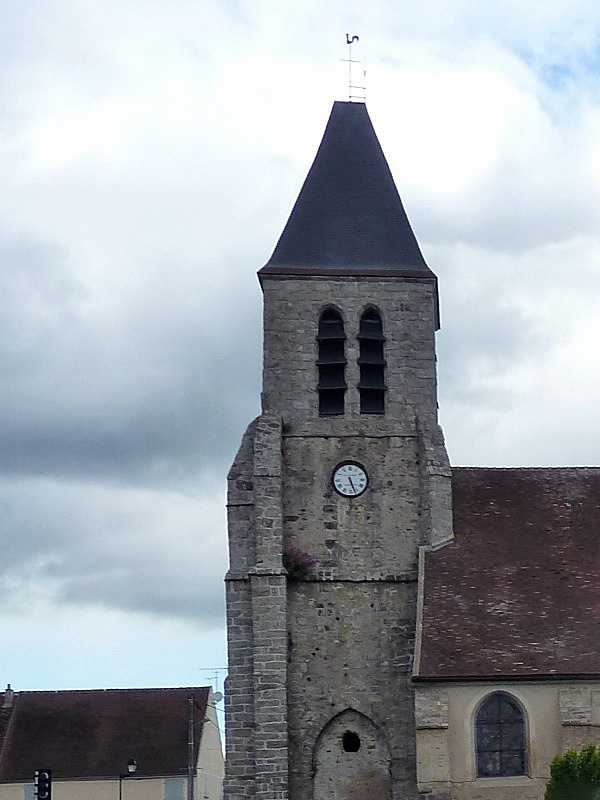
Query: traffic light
43	784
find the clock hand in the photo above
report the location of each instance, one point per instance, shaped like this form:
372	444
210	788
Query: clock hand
351	484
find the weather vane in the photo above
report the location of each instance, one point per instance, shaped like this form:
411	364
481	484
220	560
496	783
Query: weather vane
354	92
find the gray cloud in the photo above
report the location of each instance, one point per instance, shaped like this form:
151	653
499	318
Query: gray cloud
128	393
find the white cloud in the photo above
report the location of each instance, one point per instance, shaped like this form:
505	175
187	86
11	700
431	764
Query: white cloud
516	354
54	647
150	156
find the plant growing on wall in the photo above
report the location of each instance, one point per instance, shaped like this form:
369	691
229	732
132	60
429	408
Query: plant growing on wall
297	563
575	775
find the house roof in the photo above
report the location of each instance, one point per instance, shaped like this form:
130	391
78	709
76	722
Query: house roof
517	592
348	218
94	733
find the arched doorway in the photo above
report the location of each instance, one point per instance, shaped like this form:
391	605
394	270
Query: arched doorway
351	760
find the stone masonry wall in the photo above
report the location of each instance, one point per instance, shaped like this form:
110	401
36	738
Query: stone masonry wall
579	705
375	536
239	693
311	658
291	316
269	616
256	705
350	648
351	627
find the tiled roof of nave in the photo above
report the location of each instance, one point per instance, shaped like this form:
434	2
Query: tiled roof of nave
518	591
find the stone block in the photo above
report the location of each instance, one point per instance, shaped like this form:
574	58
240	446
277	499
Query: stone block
431	707
575	703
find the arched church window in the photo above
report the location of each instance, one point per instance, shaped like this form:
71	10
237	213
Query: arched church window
500	737
331	363
371	385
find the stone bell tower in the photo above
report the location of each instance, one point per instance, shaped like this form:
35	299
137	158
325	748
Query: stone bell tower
336	485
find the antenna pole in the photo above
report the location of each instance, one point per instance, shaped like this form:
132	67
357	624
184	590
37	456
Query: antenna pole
191	765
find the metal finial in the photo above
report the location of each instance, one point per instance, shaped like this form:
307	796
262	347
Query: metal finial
354	92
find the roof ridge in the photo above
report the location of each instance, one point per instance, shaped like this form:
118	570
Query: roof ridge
531	468
116	689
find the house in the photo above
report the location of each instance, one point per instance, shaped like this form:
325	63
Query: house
397	628
111	743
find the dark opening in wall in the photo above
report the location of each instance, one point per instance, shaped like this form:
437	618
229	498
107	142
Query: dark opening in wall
372	364
331	363
351	742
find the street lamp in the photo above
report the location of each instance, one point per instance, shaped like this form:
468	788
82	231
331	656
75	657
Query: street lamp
131	768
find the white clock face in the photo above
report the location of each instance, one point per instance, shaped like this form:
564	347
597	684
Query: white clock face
350	479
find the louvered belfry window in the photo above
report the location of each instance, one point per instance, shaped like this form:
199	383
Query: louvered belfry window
372	364
500	736
331	363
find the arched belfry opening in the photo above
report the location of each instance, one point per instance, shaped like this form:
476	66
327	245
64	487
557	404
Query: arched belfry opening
351	760
372	363
331	362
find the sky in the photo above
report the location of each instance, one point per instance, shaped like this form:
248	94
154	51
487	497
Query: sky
150	154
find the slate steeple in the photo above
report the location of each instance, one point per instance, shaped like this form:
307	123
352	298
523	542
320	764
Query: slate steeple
348	218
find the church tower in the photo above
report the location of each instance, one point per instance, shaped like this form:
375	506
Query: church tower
336	486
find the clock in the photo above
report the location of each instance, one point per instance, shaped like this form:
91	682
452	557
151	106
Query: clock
350	479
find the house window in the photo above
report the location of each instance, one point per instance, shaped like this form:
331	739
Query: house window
372	364
173	788
500	737
331	363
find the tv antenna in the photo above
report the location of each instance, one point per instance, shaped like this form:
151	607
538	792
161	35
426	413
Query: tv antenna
355	92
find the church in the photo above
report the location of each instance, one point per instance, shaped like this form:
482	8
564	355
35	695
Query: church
398	629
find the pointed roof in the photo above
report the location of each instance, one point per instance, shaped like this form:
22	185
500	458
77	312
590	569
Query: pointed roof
348	218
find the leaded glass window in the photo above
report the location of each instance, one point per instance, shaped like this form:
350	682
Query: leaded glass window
500	736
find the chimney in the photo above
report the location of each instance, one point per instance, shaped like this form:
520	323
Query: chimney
9	697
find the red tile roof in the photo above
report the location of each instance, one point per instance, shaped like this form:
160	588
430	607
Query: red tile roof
518	591
94	733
